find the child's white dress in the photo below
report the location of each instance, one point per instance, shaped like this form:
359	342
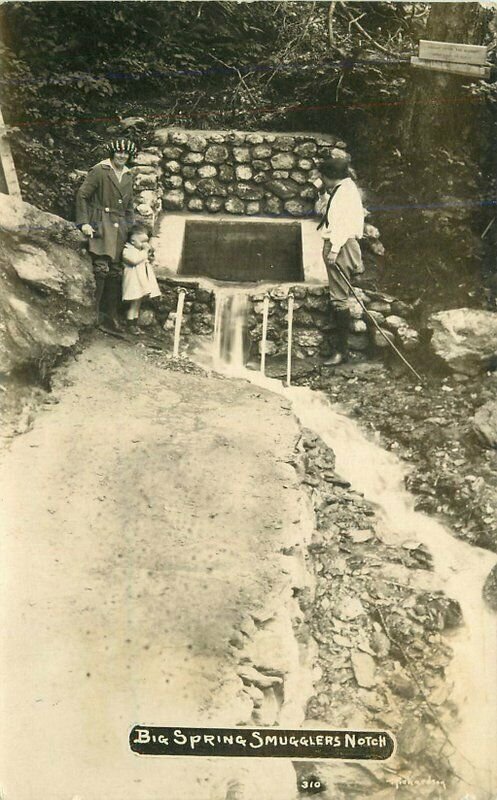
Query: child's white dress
138	275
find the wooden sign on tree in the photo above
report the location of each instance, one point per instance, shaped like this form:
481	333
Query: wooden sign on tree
9	183
460	59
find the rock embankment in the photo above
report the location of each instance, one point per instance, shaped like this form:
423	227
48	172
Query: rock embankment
381	628
46	287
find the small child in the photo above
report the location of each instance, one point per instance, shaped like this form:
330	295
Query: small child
139	280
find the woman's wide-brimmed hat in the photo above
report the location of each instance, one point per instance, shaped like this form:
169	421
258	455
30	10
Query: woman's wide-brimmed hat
122	146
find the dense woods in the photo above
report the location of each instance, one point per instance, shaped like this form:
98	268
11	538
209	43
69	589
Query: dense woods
73	73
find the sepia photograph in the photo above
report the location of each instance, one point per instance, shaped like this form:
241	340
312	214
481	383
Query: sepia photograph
248	387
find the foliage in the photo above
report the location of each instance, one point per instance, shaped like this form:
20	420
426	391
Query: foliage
75	72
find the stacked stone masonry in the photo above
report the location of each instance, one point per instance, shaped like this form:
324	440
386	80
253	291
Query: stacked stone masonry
147	181
313	326
241	173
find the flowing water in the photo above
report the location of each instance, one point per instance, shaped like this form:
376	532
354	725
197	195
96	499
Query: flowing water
459	568
230	329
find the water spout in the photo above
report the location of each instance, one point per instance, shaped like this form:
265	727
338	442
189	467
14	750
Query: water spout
265	314
177	324
230	326
289	340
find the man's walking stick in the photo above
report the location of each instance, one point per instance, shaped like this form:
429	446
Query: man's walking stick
394	348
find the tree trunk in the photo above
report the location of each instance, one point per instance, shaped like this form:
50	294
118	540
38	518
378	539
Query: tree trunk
439	109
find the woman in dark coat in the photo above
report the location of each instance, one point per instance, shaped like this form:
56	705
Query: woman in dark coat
104	212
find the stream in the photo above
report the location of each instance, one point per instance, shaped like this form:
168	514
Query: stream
459	568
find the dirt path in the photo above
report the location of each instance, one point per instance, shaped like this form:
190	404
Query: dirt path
143	516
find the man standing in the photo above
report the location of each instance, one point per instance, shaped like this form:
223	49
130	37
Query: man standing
341	225
104	212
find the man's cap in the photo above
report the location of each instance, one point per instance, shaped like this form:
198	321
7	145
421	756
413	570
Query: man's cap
336	167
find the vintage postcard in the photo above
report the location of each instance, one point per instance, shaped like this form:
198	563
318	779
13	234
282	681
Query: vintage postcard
248	377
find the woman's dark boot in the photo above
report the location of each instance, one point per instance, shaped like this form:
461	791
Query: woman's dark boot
99	290
113	300
341	338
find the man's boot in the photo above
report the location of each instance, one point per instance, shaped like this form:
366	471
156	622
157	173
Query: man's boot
99	290
113	300
341	338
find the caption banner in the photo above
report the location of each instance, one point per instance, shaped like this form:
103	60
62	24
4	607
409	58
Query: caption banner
261	743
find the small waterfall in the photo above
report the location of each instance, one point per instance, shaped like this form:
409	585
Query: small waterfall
230	330
459	567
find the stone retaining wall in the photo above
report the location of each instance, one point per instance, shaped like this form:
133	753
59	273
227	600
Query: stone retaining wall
312	322
242	172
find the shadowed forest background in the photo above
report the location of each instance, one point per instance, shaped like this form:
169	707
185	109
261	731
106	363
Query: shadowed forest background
423	143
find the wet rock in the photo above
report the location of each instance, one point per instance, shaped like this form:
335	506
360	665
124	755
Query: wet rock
411	738
283	188
241	155
407	337
311	338
146	181
172	167
358	326
382	340
216	154
298	176
175	136
173	182
262	151
401	309
361	536
226	173
207	171
284	143
172	153
252	207
250	674
210	186
400	683
306	149
377	316
271	348
484	424
309	193
464	338
381	306
490	588
197	143
273	206
299	208
364	669
393	322
173	200
195	204
234	205
283	161
213	204
254	138
192	158
243	172
148	159
189	172
350	608
247	192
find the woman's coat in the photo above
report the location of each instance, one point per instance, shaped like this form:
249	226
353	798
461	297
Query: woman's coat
106	204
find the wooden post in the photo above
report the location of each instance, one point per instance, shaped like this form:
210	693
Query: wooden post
8	170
